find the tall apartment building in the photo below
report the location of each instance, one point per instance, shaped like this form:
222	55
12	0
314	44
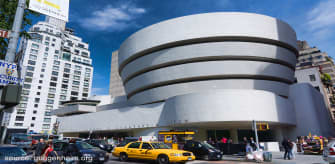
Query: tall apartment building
116	87
311	59
57	67
312	56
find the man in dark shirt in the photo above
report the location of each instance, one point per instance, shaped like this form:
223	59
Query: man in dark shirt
40	148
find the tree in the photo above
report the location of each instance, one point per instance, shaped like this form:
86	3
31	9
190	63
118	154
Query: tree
7	15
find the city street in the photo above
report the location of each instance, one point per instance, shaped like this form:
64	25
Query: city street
276	159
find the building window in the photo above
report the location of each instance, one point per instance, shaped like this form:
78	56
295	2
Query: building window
55	68
65	80
64	91
39	87
30	68
87	74
41	75
67	65
35	105
75	88
54	73
47	114
54	78
31	62
85	89
77	72
35	112
85	94
76	83
43	70
37	100
32	125
66	56
312	77
32	57
33	118
18	124
76	77
56	62
24	98
74	93
46	126
56	57
28	80
56	51
88	70
77	67
27	86
64	86
51	95
47	48
32	51
21	111
84	54
19	118
52	90
66	75
25	92
67	70
49	107
62	97
50	101
44	65
36	46
40	81
23	105
47	120
38	93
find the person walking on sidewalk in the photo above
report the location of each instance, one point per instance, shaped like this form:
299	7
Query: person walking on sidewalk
287	148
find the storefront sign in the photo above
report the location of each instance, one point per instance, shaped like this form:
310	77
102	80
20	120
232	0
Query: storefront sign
55	8
8	73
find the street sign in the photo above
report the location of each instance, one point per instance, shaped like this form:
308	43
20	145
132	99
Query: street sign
4	33
55	8
9	74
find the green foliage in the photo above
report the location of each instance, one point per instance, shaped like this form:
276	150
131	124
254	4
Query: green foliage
7	15
326	78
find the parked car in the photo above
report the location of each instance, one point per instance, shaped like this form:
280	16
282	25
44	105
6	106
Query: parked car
329	152
21	140
157	151
102	144
203	150
81	151
12	154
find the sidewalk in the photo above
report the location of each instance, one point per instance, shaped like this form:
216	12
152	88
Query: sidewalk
277	158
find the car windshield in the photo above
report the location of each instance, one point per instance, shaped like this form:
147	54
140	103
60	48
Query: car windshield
207	145
160	146
11	152
84	145
21	138
102	142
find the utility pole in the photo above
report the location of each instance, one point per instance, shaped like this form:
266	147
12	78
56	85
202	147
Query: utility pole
15	34
11	50
256	135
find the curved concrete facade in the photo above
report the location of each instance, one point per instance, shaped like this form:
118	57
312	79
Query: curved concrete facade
204	52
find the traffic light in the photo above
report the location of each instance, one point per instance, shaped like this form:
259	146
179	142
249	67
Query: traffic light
263	126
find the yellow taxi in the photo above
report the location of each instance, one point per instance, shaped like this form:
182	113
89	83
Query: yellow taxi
158	151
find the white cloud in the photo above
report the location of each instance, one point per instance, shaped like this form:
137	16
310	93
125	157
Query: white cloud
112	18
322	16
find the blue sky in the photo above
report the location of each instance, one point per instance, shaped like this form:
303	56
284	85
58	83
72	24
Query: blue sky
105	24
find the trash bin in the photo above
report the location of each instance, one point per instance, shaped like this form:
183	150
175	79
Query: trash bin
267	156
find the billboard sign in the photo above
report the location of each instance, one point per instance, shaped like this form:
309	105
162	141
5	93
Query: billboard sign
9	74
4	33
55	8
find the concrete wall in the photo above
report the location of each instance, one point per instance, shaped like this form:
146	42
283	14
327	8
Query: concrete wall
312	116
204	54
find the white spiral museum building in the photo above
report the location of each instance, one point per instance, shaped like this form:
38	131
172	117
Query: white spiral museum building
208	72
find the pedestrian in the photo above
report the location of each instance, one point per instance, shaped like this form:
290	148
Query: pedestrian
293	147
41	146
286	146
253	143
248	148
224	140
